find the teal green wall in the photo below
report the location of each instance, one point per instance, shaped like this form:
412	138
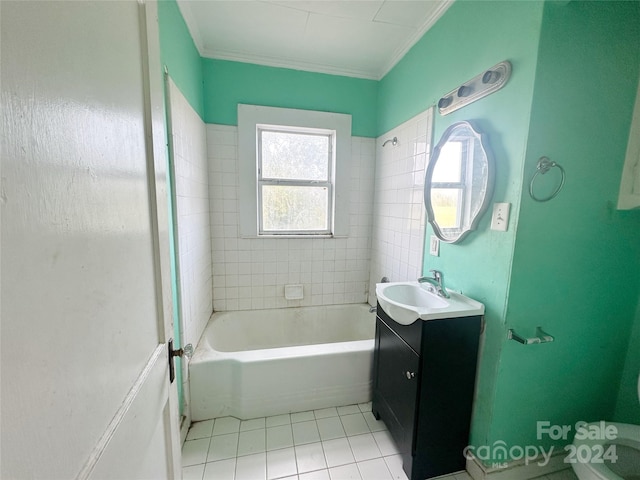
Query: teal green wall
228	83
576	265
571	265
480	265
179	54
215	87
471	36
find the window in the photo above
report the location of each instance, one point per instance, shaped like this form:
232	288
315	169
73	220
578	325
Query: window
447	183
295	189
294	172
452	185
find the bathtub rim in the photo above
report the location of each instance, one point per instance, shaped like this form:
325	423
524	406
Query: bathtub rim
205	349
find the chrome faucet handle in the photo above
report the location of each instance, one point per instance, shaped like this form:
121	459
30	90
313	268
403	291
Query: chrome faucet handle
438	276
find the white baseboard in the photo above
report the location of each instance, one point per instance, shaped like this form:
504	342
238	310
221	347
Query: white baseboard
518	470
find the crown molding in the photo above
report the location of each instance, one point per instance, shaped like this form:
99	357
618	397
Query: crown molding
429	22
288	63
192	26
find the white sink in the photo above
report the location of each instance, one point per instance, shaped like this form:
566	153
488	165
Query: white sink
406	302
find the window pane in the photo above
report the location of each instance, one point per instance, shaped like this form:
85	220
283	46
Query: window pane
295	156
293	208
446	203
449	166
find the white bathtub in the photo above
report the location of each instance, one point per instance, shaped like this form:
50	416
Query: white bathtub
256	363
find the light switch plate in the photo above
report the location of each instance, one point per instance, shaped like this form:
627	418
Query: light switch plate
434	246
500	217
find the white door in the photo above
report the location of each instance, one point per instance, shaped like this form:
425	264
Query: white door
85	286
629	196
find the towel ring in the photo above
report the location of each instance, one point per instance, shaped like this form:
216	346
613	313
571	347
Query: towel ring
543	166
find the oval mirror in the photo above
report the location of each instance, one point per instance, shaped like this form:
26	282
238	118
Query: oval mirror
458	182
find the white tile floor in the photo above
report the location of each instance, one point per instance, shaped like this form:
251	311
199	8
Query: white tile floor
338	443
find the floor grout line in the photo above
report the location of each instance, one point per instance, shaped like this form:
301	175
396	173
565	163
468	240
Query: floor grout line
318	438
234	426
198	470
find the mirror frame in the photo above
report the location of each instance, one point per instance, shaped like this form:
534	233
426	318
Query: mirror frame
429	173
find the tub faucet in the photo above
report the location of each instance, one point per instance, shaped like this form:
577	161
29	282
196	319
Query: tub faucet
437	282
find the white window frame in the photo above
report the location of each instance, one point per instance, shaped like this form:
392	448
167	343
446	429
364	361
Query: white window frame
462	185
253	117
328	183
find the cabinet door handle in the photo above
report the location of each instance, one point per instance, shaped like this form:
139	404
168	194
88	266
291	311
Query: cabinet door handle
410	375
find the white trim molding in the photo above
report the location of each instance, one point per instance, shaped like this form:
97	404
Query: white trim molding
252	116
430	21
278	61
629	196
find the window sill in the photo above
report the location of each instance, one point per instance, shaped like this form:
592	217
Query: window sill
271	237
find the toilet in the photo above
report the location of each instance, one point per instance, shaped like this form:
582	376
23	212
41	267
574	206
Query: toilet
592	462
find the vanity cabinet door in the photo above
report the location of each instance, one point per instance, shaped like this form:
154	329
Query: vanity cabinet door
396	386
449	356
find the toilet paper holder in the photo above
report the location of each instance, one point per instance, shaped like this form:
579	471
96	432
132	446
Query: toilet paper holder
541	337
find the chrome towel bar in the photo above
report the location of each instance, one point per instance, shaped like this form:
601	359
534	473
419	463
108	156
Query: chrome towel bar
541	337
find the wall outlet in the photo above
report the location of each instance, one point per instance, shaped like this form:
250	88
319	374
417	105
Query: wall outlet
500	217
434	246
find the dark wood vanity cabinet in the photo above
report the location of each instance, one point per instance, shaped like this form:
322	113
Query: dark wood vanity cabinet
424	378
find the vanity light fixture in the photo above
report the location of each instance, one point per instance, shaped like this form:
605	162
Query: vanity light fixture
479	86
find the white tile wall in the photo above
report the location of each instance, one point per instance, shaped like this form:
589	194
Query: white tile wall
193	246
398	208
251	273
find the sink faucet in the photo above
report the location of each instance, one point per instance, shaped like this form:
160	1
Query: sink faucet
437	282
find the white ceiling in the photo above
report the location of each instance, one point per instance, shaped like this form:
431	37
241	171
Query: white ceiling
357	38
